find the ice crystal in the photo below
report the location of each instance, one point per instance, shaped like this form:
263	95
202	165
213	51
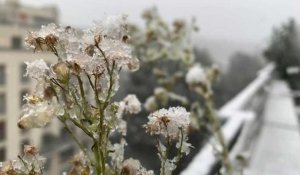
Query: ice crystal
37	69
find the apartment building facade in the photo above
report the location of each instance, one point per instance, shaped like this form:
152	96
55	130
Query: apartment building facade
15	22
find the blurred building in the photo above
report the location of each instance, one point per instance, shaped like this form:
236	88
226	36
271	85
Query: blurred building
15	22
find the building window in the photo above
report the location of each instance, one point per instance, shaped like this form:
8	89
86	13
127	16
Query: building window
16	42
2	75
24	79
23	93
2	103
2	131
2	154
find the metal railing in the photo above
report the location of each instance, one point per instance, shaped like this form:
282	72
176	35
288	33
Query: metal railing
242	121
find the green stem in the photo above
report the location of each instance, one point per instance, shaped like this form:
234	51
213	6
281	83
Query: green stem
82	91
179	151
209	105
73	136
97	159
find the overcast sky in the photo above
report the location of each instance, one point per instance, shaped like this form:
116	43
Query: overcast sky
244	20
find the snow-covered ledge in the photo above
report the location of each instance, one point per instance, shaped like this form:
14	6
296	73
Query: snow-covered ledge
239	102
234	112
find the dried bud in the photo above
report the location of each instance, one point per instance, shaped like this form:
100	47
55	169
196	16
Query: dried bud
51	40
74	68
8	169
30	150
98	38
125	38
49	93
90	50
35	42
62	71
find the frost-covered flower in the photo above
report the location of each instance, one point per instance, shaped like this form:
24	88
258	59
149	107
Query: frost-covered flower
93	66
196	75
7	169
119	52
113	27
30	150
37	69
132	104
30	163
168	123
39	114
133	167
108	38
45	39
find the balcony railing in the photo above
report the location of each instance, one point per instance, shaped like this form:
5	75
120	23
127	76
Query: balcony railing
242	121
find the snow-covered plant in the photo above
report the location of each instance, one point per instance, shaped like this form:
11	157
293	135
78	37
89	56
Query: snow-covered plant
171	128
163	46
79	88
30	163
160	44
199	82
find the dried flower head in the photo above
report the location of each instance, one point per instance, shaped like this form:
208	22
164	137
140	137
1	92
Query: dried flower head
169	123
44	40
30	150
8	169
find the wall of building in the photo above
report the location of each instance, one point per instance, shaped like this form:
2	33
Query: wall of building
15	22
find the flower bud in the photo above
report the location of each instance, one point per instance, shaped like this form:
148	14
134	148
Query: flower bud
75	68
49	93
51	40
125	38
90	50
62	71
97	38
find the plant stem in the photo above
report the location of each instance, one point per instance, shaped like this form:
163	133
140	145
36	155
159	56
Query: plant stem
211	114
179	154
73	136
97	159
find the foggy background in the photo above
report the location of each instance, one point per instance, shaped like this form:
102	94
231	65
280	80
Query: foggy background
225	26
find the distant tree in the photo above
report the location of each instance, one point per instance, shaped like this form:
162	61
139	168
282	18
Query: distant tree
284	50
241	71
